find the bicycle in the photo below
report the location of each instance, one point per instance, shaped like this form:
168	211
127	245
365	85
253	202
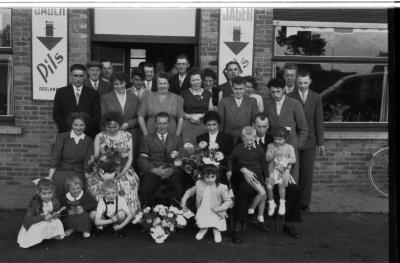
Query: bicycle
378	172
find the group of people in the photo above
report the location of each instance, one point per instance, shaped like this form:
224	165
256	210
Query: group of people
269	146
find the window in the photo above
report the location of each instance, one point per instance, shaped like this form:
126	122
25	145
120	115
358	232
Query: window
347	62
6	68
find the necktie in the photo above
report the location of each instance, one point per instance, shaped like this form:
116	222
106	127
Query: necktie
180	82
148	85
259	141
163	139
95	85
303	97
77	95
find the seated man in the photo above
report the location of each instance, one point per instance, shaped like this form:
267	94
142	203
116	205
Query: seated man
154	154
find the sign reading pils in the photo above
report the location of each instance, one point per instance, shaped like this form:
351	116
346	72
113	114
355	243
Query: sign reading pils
49	51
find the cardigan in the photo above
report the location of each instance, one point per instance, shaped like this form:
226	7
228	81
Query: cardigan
219	197
35	210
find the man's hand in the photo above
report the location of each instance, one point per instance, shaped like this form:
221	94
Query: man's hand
124	126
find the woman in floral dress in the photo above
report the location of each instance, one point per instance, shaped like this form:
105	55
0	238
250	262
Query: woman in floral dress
126	178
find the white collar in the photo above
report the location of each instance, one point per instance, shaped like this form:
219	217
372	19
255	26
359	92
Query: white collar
182	76
289	89
75	88
238	100
303	93
71	198
281	101
76	137
92	81
120	95
214	135
165	135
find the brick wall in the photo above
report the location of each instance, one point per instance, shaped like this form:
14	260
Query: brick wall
345	164
26	156
209	37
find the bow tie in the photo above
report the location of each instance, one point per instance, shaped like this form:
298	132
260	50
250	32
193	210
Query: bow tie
249	148
109	202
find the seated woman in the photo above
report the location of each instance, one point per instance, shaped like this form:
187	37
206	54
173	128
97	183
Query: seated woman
126	103
196	101
70	154
124	175
214	137
161	101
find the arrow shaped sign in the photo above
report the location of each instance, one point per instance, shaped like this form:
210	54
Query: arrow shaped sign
49	42
236	46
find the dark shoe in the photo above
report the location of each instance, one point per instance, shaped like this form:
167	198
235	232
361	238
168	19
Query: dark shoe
263	226
291	231
97	232
237	239
305	209
252	218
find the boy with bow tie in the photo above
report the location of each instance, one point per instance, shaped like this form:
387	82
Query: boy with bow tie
250	160
112	209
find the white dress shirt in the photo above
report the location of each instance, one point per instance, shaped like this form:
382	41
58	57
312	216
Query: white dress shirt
279	105
181	79
77	92
95	84
148	84
289	89
213	138
160	136
122	99
238	102
303	96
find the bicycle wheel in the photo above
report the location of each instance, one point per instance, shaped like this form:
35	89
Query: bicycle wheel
378	172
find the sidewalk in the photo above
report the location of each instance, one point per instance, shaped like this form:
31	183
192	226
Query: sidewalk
323	200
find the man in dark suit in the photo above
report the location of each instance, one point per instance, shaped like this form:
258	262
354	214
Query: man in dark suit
284	111
312	105
232	70
107	70
154	154
150	81
94	81
180	81
77	97
237	111
289	75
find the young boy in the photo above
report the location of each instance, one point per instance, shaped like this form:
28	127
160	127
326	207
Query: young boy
250	160
112	209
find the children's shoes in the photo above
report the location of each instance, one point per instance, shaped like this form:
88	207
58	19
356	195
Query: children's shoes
68	232
217	236
271	207
86	234
282	208
201	233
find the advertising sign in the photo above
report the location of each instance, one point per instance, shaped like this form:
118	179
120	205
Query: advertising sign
49	51
236	39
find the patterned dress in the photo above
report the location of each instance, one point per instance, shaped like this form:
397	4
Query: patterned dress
128	183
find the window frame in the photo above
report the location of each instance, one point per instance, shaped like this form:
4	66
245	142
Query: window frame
350	126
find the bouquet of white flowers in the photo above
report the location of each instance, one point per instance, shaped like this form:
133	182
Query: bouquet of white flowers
161	221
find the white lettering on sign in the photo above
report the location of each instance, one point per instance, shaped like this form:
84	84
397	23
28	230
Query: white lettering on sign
49	51
237	14
50	11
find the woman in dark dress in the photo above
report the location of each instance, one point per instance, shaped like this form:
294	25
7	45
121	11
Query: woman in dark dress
70	154
196	101
209	83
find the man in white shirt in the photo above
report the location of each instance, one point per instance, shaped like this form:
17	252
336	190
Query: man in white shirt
94	80
289	75
180	81
150	82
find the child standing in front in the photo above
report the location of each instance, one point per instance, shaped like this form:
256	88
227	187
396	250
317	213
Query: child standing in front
212	201
112	209
250	160
80	208
41	220
281	157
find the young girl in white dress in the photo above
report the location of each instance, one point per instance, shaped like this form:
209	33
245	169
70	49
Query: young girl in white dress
281	157
212	201
41	220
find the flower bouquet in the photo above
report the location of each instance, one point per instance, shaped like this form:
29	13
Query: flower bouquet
191	157
109	163
161	221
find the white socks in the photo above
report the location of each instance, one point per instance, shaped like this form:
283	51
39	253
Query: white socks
282	207
271	207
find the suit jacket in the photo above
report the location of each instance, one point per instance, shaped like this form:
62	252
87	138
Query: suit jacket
234	118
152	153
224	140
102	88
153	84
65	103
220	200
109	102
291	115
314	116
174	84
226	89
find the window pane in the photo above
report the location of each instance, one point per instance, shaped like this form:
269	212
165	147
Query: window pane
315	41
5	85
350	92
5	27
